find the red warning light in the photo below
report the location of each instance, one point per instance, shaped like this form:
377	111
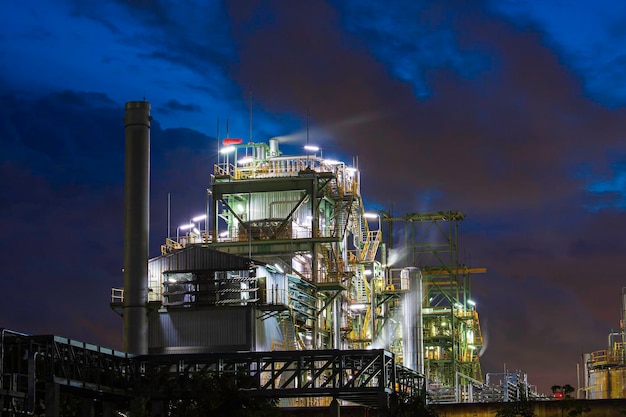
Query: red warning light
232	141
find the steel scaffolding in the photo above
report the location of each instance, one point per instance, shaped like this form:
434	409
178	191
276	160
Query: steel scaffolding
38	367
452	336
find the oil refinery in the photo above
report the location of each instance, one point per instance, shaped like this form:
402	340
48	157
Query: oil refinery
286	276
287	258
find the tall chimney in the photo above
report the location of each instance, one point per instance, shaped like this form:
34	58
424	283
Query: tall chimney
136	225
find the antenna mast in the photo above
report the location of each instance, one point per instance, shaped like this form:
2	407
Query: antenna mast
250	117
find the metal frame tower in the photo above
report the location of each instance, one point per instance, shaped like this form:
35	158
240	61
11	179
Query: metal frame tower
452	336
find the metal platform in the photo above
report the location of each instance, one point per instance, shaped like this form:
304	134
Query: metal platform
31	365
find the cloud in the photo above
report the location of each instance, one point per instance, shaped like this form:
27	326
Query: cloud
62	176
413	39
175	106
587	35
459	105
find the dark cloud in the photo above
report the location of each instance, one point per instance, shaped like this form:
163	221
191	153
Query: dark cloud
500	143
175	105
454	105
414	38
62	204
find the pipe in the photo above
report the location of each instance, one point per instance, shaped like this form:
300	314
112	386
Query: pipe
336	323
610	339
623	323
136	227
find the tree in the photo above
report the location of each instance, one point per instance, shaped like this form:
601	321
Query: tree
567	390
569	405
206	394
415	406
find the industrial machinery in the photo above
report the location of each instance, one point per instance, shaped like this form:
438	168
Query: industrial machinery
604	373
318	275
285	278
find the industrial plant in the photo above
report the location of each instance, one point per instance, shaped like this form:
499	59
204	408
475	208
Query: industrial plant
604	371
287	277
286	257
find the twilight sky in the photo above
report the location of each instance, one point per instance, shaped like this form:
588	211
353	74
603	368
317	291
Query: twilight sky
511	111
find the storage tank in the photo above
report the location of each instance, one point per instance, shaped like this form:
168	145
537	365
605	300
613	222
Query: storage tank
607	383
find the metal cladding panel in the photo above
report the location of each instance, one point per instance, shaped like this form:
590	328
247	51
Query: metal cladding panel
211	330
198	258
273	205
598	384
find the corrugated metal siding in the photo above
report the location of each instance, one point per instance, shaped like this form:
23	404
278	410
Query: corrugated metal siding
273	205
211	330
197	258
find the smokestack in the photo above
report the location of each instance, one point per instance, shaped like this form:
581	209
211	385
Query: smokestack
136	224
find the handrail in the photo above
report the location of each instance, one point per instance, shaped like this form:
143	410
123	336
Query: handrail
606	357
117	295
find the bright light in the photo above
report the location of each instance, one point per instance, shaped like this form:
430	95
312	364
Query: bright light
245	160
358	306
186	226
331	162
371	215
308	337
470	302
312	148
351	170
367	272
228	149
224	234
196	231
240	208
198	218
279	268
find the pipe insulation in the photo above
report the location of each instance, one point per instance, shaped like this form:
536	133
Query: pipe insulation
412	326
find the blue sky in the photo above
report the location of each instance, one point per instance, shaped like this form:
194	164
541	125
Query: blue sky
509	111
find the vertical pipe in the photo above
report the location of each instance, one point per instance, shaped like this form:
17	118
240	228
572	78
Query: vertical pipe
136	225
373	314
336	323
412	328
207	222
623	323
215	231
